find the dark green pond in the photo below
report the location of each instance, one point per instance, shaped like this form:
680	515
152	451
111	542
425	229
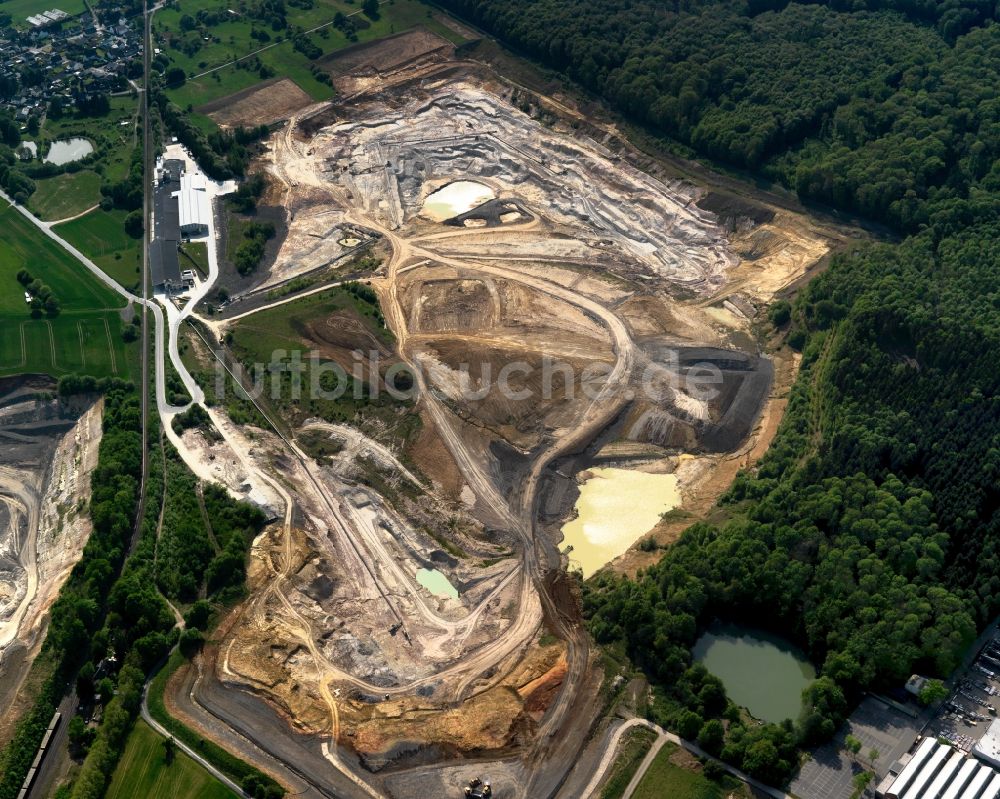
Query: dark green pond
762	672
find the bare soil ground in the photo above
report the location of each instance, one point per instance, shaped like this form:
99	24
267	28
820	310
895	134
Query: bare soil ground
360	66
231	225
453	24
703	480
262	104
464	302
603	265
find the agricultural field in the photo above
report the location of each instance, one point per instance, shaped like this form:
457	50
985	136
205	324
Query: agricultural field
144	771
101	236
65	195
674	772
232	39
84	338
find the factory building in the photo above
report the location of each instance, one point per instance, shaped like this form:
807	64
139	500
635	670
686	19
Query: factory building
938	771
194	206
181	209
163	260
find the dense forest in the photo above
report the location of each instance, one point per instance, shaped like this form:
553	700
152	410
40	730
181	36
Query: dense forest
204	537
870	531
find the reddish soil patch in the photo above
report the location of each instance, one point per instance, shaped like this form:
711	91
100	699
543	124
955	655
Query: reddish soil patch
539	694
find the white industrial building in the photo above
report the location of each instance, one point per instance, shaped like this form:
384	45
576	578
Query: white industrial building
194	206
47	18
988	748
938	771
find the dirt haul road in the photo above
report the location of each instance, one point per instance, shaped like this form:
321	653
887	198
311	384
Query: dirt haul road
339	518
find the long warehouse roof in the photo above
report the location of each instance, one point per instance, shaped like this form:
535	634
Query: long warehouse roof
195	208
938	771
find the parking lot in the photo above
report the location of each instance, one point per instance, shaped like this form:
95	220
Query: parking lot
828	774
974	701
885	726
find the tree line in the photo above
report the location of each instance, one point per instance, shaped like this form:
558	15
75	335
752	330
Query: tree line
42	296
84	617
221	154
204	539
869	533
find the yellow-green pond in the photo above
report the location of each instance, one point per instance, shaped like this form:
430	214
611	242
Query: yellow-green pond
614	509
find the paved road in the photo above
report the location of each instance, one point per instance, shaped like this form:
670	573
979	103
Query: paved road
161	348
46	228
247	725
829	772
610	754
661	741
185	748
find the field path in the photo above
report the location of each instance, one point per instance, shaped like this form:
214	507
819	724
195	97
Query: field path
259	50
71	218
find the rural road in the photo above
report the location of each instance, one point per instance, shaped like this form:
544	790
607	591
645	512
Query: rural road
663	738
46	228
611	753
163	349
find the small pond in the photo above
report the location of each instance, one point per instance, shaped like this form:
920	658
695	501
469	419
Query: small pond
67	150
614	509
435	582
456	198
762	672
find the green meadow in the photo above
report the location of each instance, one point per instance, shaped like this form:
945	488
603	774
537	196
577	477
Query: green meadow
84	338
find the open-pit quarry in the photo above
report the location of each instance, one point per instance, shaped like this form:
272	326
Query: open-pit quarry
47	451
558	309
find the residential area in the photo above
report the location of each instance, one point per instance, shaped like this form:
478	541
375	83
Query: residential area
57	63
